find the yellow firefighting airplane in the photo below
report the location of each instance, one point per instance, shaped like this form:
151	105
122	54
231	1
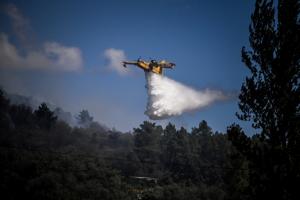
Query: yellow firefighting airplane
152	66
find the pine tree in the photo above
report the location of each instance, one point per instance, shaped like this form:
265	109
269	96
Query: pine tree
84	119
270	98
45	117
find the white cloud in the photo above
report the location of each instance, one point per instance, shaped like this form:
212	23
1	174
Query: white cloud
115	58
52	56
67	57
28	54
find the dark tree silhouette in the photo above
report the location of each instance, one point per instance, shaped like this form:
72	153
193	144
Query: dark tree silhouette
21	116
45	117
270	98
146	143
4	107
84	119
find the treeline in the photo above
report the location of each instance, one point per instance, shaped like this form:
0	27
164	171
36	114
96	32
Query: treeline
44	158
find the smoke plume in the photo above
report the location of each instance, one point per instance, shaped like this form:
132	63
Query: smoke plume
167	98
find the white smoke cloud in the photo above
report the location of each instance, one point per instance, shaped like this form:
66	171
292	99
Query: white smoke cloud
20	24
167	98
28	54
115	58
52	56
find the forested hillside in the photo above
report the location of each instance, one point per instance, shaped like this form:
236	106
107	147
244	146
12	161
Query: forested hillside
43	157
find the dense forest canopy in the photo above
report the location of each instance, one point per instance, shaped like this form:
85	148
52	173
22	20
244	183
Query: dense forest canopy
43	157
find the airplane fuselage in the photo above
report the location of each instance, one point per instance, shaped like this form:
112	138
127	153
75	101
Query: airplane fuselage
147	67
156	68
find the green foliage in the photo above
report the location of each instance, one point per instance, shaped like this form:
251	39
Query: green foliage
45	117
84	118
270	98
147	148
237	179
4	106
22	116
43	158
48	175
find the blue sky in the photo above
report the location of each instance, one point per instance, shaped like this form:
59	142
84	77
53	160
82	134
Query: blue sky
68	40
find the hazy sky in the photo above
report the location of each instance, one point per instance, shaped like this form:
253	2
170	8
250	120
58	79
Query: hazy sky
67	53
